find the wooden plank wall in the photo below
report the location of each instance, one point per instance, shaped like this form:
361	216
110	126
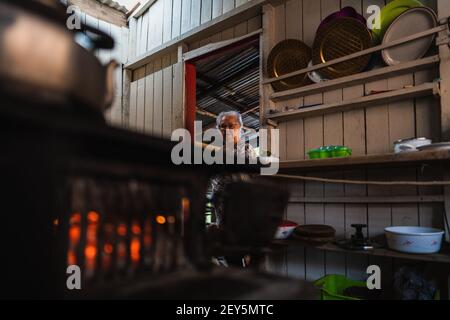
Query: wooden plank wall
366	131
156	90
168	19
120	34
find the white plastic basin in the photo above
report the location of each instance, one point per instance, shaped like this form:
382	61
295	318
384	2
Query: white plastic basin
414	239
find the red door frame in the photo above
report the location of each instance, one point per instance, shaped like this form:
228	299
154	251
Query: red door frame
191	81
191	97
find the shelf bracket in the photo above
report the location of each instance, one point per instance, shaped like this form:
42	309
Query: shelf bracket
272	123
437	89
444	37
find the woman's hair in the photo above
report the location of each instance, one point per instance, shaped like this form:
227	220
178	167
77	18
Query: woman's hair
228	113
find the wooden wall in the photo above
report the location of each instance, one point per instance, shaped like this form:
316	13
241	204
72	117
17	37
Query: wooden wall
156	90
119	53
168	19
365	131
156	97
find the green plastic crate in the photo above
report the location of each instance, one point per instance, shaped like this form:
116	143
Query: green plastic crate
332	287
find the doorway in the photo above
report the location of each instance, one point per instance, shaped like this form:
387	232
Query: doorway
224	77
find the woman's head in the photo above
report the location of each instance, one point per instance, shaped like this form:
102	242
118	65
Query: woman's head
230	125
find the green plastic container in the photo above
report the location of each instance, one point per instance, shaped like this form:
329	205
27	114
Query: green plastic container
320	153
333	286
330	152
341	152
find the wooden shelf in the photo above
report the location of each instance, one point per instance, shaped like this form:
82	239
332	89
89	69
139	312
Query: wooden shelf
371	200
358	54
363	77
442	257
421	157
362	102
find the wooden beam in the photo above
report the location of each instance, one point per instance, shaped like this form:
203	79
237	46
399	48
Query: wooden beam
209	48
132	10
101	11
250	111
144	5
373	75
390	199
363	102
443	257
444	54
240	14
379	160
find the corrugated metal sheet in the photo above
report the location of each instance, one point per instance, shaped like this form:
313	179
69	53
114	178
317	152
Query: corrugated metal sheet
230	82
113	4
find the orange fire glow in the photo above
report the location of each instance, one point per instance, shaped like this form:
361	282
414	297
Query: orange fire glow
75	218
122	230
185	205
74	234
161	219
135	248
71	258
136	229
108	248
90	252
93	217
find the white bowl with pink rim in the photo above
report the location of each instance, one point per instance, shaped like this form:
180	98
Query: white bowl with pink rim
419	240
285	229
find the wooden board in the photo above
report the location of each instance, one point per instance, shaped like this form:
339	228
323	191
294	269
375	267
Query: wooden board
228	5
133	103
217	7
206	13
140	104
195	13
149	96
167	97
176	18
178	92
185	16
158	99
167	20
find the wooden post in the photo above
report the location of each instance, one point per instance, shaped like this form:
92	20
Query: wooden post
265	45
444	54
447	207
127	75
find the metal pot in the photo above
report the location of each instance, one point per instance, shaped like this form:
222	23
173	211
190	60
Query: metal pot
410	145
347	12
40	60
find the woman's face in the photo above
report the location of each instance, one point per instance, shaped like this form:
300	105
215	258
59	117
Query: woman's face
230	123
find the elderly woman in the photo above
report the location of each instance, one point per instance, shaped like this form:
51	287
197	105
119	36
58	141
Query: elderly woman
230	125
